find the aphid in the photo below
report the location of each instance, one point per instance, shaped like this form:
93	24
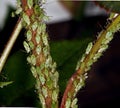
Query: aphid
29	35
42	78
26	46
38	69
48	62
38	49
26	18
78	65
29	59
44	38
68	103
49	83
90	62
45	51
83	57
31	45
80	84
39	29
42	65
103	48
43	27
34	25
44	91
33	70
46	73
74	102
96	56
54	95
30	3
42	100
18	11
33	60
53	67
55	79
37	38
90	45
108	35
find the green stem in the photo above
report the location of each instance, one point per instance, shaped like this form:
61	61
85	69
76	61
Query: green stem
10	44
93	52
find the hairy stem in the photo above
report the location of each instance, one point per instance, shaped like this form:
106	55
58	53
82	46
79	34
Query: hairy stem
43	67
10	44
93	52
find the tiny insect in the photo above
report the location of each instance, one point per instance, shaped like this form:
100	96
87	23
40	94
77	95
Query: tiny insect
37	38
54	95
38	49
29	35
26	46
44	91
90	45
68	103
30	3
26	19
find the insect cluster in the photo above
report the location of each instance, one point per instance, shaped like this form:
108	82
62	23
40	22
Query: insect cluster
36	45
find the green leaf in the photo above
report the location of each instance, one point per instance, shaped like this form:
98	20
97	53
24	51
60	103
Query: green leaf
113	6
16	70
2	84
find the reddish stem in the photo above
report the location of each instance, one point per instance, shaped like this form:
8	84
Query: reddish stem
69	89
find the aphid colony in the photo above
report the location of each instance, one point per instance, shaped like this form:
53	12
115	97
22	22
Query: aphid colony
36	45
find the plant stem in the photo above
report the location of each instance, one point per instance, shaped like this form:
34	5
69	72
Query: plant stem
93	52
10	44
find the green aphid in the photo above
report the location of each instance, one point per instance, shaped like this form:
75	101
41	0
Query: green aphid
43	27
39	31
46	51
38	69
68	103
108	35
55	78
48	62
34	72
90	62
29	59
33	60
18	11
34	25
45	40
30	3
42	99
38	49
103	48
49	83
31	45
26	46
26	18
96	56
54	95
29	35
89	47
74	102
53	67
37	38
42	66
42	78
46	73
44	91
37	9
